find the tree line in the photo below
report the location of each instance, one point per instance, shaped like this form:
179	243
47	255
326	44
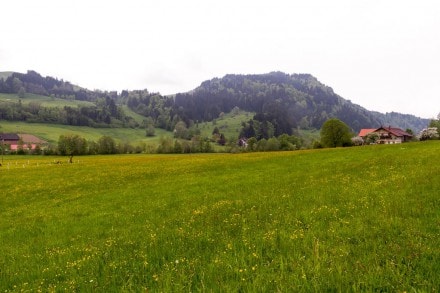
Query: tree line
75	145
334	133
33	82
105	113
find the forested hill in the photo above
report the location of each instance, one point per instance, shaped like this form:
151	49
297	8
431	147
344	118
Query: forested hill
33	82
83	107
287	101
281	103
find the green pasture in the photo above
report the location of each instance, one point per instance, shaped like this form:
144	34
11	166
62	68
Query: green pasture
51	132
44	101
229	124
332	220
136	117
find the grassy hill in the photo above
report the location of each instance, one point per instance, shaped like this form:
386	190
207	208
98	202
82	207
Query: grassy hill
51	132
352	219
44	101
138	118
229	124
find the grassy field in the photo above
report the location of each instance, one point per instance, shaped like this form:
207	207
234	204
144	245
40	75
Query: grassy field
51	132
44	101
352	219
230	125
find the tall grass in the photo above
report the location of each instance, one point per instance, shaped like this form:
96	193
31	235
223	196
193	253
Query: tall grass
358	219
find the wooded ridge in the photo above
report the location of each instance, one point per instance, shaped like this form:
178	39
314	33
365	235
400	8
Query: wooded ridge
283	102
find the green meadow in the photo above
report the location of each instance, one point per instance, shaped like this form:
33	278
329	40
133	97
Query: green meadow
348	219
44	101
52	132
229	124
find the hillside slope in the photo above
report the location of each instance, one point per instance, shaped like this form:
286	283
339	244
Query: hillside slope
285	102
289	101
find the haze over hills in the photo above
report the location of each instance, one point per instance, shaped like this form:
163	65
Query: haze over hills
285	101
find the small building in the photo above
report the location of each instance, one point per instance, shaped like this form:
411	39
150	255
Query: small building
387	135
9	138
15	142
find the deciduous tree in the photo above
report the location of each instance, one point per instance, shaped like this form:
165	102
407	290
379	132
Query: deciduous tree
335	133
106	145
72	145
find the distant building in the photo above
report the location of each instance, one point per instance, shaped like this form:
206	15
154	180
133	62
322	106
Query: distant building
14	141
9	138
387	135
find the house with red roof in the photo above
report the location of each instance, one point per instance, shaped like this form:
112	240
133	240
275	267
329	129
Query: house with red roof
15	142
386	135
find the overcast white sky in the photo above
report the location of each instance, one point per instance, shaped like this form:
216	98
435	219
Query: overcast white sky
383	55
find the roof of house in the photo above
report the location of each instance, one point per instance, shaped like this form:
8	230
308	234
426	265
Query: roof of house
9	136
396	131
29	138
366	131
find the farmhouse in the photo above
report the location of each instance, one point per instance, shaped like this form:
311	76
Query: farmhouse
9	138
14	141
386	135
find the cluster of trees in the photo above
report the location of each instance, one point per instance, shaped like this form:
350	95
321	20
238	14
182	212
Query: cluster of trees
262	128
159	109
104	114
33	82
75	145
196	144
183	132
284	142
